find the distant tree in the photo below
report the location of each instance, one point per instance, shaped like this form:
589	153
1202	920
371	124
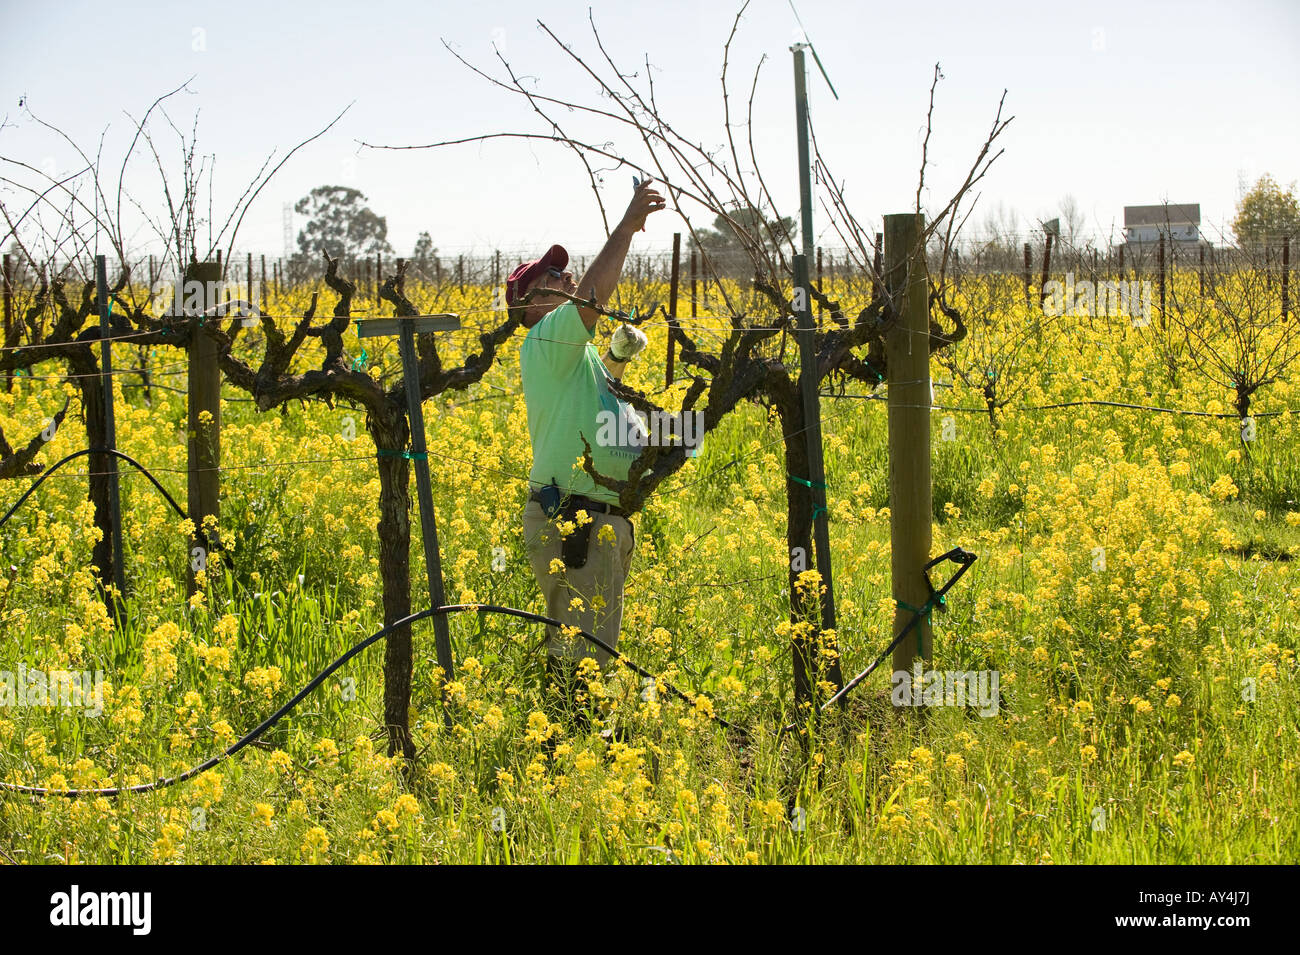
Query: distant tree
339	222
1071	219
423	254
998	243
729	243
1003	221
1267	213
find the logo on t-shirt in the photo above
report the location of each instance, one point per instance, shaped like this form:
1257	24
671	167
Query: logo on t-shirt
620	430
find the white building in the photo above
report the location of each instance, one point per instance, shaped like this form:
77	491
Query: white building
1178	223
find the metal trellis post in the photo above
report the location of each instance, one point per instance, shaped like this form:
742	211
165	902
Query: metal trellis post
808	380
405	328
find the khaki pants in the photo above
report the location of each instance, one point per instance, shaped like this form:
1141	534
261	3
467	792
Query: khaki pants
599	581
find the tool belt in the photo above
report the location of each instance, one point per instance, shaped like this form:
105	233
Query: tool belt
555	504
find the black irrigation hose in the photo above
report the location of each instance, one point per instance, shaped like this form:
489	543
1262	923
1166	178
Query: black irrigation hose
77	454
275	717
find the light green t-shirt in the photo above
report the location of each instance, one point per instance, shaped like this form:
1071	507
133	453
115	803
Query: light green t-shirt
566	387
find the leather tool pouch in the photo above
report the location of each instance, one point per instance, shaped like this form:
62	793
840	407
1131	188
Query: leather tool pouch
574	547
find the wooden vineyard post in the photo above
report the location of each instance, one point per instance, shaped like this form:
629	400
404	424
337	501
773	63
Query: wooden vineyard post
203	433
672	304
1047	265
704	267
907	354
8	311
1161	264
1042	289
143	350
693	278
1028	265
821	288
115	602
877	264
1286	276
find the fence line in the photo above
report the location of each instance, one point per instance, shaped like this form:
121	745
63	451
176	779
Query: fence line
975	254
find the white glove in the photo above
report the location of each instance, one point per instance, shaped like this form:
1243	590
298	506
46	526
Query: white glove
627	343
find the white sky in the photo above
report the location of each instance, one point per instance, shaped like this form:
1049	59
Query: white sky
1115	103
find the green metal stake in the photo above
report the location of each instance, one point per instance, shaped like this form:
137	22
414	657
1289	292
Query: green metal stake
405	329
807	349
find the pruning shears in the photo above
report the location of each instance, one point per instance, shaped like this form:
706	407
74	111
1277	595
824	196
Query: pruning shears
637	184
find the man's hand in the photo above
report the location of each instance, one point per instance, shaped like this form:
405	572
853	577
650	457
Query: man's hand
644	201
627	343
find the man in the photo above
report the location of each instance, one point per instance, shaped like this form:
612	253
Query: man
579	541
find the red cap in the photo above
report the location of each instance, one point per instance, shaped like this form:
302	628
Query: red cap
517	282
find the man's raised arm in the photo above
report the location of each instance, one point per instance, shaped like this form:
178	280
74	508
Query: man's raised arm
601	277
